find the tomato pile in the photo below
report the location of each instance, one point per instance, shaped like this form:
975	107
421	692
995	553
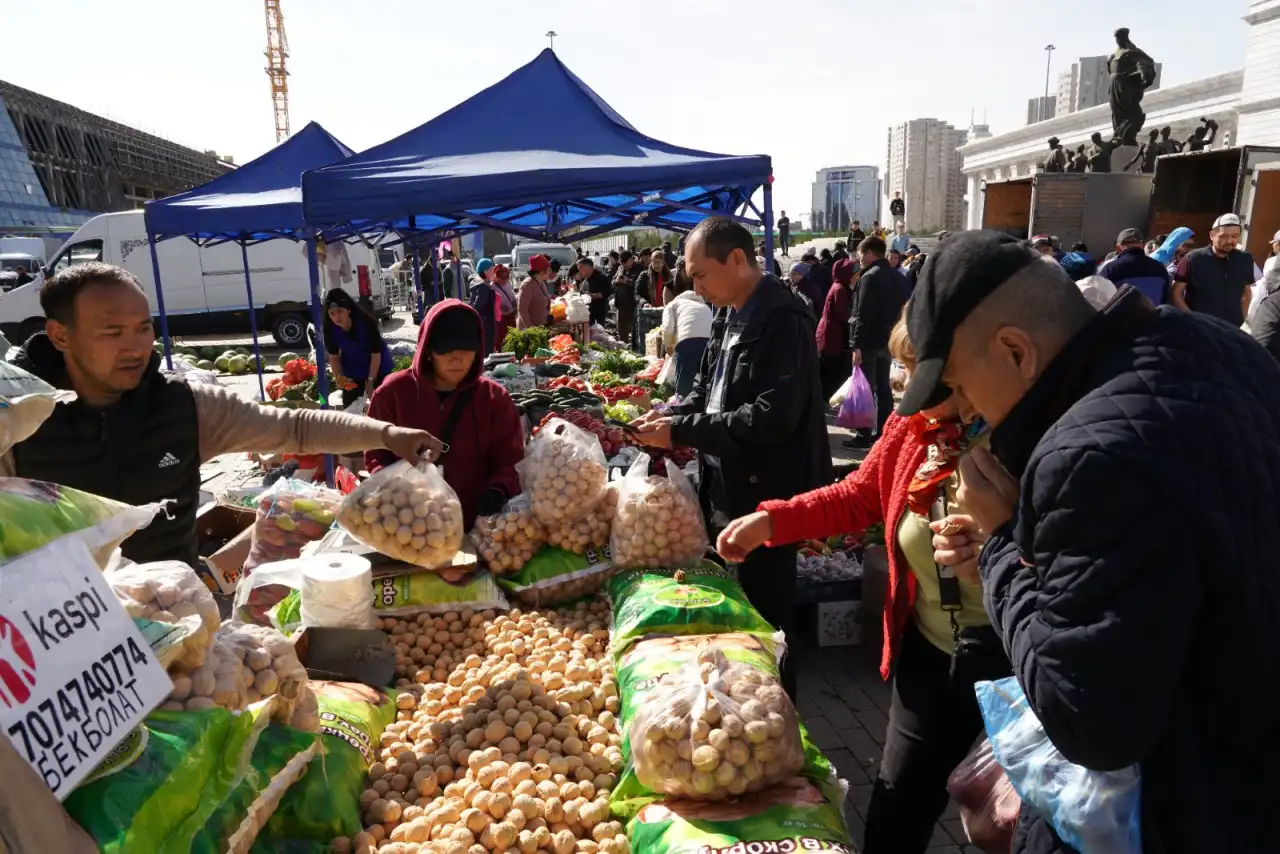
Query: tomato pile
622	392
567	356
568	382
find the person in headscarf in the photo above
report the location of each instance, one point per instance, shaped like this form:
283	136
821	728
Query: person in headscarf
1167	254
506	304
484	300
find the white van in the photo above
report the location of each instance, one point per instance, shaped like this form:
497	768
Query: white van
521	254
204	289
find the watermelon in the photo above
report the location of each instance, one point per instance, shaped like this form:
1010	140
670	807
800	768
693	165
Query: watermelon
238	365
223	363
206	365
286	358
209	353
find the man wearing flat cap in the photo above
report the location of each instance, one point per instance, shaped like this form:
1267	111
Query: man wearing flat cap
1130	495
1057	159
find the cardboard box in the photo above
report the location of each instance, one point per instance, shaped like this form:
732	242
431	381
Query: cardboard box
228	532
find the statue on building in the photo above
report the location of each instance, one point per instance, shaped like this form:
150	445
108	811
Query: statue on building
1147	154
1057	159
1202	137
1079	161
1167	144
1100	153
1132	73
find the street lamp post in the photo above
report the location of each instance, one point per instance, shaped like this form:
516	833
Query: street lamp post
551	34
1044	102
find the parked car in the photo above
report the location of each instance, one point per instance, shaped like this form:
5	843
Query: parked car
204	287
555	251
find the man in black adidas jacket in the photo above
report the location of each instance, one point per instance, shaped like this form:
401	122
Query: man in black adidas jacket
756	414
877	305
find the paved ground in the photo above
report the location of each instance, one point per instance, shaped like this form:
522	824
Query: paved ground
844	704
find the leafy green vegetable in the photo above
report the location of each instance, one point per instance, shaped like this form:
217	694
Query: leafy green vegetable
608	379
621	362
402	362
526	342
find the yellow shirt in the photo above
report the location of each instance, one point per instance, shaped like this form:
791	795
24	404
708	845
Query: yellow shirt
916	541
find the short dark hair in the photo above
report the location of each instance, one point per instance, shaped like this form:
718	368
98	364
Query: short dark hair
872	244
721	235
626	256
1079	247
555	265
587	262
58	294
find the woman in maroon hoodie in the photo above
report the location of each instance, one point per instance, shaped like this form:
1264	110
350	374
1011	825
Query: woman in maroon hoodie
444	394
833	329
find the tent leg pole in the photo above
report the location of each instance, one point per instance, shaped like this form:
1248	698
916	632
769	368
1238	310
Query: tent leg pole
164	318
417	280
253	319
322	372
768	225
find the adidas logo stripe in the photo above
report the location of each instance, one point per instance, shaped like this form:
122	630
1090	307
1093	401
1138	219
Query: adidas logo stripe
167	460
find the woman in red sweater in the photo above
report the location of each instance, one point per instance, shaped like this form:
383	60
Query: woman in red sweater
937	638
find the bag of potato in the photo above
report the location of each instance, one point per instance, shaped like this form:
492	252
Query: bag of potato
433	593
157	788
564	472
291	513
705	718
272	669
795	815
170	592
658	522
406	512
26	401
590	532
700	600
555	576
506	541
34	513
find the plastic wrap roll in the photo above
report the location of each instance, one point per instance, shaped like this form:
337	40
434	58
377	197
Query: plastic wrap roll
337	592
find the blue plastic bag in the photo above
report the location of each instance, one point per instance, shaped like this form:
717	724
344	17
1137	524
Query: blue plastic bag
1095	812
858	409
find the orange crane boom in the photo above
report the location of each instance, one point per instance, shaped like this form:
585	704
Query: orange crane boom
277	52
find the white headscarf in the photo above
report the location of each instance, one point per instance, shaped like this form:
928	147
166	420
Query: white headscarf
1097	290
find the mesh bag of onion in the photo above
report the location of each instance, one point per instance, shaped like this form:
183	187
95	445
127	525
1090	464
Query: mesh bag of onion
658	522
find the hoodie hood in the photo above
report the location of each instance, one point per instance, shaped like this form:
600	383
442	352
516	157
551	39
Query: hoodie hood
1179	236
422	359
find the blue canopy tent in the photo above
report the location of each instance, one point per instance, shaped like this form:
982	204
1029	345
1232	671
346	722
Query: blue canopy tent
581	171
261	200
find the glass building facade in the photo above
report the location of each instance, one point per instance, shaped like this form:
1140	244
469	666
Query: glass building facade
842	194
23	204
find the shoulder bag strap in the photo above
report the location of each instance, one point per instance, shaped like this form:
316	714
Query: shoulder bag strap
460	404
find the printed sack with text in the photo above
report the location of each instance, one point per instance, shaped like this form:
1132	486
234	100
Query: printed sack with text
34	513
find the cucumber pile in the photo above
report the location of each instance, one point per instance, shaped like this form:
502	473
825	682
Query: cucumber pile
561	400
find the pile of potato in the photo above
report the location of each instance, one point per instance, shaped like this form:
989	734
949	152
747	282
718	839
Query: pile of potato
506	738
170	592
245	664
715	730
589	532
657	523
564	473
506	541
407	516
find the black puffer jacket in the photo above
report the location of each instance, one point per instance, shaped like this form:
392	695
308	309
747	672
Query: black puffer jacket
1137	586
770	435
1265	326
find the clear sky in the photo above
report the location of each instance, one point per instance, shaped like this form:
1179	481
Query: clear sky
812	83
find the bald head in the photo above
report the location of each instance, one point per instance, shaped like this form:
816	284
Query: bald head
1006	343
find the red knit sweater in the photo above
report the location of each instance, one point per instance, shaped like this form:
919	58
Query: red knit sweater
875	492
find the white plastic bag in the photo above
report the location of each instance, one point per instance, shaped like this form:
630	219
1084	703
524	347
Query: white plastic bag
169	592
25	402
564	472
592	531
507	540
658	522
406	512
192	374
714	729
264	588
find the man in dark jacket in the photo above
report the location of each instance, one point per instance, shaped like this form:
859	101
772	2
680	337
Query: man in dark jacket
897	209
137	435
856	235
624	296
1265	324
820	276
1130	463
1216	279
784	234
756	414
596	285
1133	266
877	304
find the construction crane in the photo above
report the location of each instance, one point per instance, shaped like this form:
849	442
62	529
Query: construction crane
277	52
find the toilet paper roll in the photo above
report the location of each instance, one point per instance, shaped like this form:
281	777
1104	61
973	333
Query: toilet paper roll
337	592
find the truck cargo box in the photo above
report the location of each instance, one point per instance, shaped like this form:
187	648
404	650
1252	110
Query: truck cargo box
1090	208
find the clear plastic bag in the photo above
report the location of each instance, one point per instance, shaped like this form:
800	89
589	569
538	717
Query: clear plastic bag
170	592
590	532
507	540
34	513
408	513
268	668
291	514
564	472
714	729
257	594
989	806
25	402
858	409
1093	811
658	522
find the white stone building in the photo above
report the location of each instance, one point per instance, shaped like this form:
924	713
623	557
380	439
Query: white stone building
1259	106
924	165
1041	109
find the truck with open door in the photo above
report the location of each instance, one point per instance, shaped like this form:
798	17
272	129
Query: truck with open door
1090	208
1195	188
